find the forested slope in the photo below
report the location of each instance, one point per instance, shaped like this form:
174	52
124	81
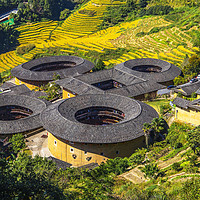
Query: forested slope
167	37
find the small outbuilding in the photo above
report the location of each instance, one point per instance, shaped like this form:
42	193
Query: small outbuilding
188	89
187	111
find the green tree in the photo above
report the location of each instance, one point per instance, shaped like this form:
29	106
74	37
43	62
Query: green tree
193	67
99	65
176	166
8	37
150	170
143	3
165	109
137	158
194	140
64	14
29	178
147	128
191	189
51	89
179	80
157	125
18	142
196	39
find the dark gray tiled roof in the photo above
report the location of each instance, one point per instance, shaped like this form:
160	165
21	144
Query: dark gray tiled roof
59	119
133	87
16	89
183	103
78	87
24	90
188	89
59	163
134	83
198	91
195	104
95	77
115	74
168	72
23	71
7	85
89	166
25	124
137	89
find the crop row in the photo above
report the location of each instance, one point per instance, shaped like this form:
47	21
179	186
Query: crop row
9	60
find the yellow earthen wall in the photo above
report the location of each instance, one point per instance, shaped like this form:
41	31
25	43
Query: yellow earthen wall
60	149
19	82
67	94
188	116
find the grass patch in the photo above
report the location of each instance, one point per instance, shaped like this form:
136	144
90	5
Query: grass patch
28	152
174	153
157	103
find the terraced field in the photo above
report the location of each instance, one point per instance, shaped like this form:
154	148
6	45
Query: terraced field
171	44
80	32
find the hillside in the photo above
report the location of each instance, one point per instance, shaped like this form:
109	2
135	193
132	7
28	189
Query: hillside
174	171
152	36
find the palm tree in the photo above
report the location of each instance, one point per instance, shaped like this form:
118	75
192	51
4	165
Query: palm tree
147	128
157	126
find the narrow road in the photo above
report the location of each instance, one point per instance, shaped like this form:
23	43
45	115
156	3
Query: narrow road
6	15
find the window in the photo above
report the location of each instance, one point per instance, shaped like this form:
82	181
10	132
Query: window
68	94
88	158
85	152
102	153
71	150
117	152
55	142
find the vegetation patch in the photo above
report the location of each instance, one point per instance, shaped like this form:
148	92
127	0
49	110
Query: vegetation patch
25	49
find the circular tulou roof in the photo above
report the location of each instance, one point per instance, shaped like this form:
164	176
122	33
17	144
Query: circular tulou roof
59	119
24	124
167	71
33	70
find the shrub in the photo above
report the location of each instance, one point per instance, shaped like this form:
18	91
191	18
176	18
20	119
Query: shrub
150	170
18	142
179	80
137	159
88	12
99	65
178	145
64	14
176	166
179	94
159	10
25	49
193	138
154	30
194	95
190	189
140	34
165	109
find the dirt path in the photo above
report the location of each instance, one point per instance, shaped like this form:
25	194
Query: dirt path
135	176
38	144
